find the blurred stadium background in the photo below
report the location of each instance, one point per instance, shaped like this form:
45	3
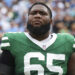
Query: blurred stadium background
13	15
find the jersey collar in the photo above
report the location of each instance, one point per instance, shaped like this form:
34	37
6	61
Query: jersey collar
44	44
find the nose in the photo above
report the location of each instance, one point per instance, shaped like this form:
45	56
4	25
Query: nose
37	15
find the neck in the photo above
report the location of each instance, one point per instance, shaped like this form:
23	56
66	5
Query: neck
40	37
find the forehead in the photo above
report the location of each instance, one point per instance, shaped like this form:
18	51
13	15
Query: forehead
39	8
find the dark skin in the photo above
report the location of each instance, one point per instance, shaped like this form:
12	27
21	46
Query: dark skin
38	16
71	65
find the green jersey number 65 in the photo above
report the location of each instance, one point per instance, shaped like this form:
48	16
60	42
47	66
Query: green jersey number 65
38	67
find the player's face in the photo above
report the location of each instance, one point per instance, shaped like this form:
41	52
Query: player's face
39	16
39	20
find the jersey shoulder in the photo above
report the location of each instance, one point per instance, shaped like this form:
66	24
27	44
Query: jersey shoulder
12	35
9	38
66	37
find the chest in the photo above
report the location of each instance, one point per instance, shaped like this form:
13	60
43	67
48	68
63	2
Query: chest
31	59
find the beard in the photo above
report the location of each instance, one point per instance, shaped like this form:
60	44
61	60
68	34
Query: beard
43	29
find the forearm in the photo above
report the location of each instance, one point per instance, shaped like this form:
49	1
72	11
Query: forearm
6	63
6	70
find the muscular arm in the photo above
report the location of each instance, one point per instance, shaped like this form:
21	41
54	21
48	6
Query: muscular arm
6	63
71	65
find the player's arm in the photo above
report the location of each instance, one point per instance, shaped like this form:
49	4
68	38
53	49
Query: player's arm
1	34
6	63
71	65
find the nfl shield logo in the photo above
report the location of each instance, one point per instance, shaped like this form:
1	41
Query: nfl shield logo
44	47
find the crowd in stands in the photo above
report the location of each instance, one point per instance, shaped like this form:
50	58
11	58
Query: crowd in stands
13	15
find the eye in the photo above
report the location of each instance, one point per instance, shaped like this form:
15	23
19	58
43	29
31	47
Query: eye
32	13
42	13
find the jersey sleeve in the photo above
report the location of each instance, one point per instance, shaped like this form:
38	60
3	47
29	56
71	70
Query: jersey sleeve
71	40
5	42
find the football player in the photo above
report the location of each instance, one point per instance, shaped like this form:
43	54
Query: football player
37	52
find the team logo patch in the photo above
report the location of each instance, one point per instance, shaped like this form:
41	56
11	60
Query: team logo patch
44	47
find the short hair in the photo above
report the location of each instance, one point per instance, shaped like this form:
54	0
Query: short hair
40	3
